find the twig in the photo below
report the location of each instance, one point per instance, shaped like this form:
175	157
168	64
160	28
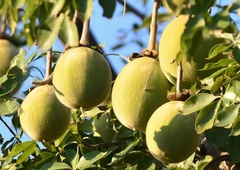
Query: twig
48	63
217	160
153	26
179	78
132	9
101	145
85	33
7	126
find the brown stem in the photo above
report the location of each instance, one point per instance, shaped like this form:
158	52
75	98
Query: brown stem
85	33
179	78
3	26
48	63
153	26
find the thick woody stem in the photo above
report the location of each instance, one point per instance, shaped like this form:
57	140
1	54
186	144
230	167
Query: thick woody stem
85	33
153	26
48	63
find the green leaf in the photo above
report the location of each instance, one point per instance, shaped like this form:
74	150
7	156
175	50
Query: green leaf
88	159
69	32
12	18
221	63
205	118
198	101
234	148
84	7
222	19
48	34
218	136
26	153
55	166
218	49
42	159
18	60
86	126
20	147
57	7
236	54
92	112
227	115
8	107
236	127
119	156
30	8
17	3
108	7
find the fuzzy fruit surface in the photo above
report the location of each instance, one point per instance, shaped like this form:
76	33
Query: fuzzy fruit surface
139	89
172	5
170	46
171	136
42	116
82	78
7	52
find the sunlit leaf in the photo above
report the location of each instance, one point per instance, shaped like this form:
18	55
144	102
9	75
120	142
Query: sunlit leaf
84	7
57	7
12	18
218	49
8	107
26	153
221	63
198	101
55	166
227	115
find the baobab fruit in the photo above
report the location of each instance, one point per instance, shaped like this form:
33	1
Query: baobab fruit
139	89
42	116
82	78
171	136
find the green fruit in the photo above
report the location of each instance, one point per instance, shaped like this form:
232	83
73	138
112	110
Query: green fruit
172	5
139	89
170	46
171	136
42	116
7	52
104	127
82	78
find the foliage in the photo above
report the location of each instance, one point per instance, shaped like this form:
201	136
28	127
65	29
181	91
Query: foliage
217	102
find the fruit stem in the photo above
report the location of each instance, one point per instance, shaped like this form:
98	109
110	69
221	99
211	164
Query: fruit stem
85	33
179	78
153	26
48	63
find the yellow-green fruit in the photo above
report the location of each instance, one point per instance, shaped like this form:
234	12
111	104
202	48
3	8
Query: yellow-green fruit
42	116
104	127
171	136
172	5
82	78
7	52
139	89
170	46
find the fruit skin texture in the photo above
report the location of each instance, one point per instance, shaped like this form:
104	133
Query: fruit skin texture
170	46
7	52
171	136
82	78
42	116
139	89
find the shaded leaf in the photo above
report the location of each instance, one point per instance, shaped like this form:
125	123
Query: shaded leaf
108	7
205	118
198	101
69	32
236	127
234	148
42	159
227	115
221	63
218	136
84	8
236	54
12	18
218	49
